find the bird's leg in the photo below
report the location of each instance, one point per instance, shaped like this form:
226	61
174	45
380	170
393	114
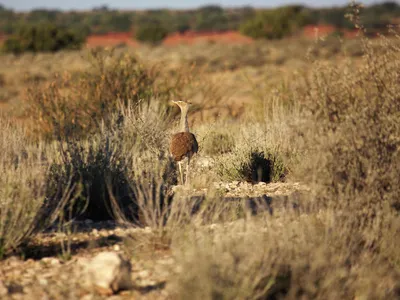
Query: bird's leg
187	169
180	171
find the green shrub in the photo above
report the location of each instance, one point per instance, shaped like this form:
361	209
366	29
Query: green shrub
275	24
44	37
151	33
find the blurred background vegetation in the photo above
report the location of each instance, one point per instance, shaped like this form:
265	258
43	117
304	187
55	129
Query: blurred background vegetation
281	21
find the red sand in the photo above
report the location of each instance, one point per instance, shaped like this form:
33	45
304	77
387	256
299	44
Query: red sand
313	31
111	39
191	37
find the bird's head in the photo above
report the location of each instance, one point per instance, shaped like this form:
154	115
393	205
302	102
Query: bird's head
181	104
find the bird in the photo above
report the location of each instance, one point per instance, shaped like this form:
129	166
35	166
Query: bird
183	144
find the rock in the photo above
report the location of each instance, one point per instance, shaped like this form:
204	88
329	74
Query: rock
54	262
51	261
109	271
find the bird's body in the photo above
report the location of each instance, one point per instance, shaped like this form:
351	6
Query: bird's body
183	144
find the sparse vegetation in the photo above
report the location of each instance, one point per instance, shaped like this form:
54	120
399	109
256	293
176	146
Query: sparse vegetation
328	122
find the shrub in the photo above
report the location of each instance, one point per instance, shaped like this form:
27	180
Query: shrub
216	143
109	169
22	187
44	37
75	106
97	170
252	165
151	33
355	133
275	24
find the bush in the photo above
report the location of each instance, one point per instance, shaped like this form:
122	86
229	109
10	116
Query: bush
252	165
75	106
217	143
22	187
275	24
44	37
151	33
355	132
108	169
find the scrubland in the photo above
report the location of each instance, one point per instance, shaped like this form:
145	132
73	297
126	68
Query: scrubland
84	135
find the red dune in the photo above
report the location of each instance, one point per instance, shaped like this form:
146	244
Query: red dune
192	37
111	39
189	37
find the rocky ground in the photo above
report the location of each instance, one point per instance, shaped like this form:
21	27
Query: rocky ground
102	260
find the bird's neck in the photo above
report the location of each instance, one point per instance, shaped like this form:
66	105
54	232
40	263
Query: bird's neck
184	120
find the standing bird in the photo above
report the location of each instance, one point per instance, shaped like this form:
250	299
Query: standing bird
183	144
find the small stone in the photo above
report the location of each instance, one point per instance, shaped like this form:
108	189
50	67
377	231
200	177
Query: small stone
144	274
117	248
54	262
109	271
104	233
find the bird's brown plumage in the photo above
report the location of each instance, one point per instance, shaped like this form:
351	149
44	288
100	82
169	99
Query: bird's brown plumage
183	144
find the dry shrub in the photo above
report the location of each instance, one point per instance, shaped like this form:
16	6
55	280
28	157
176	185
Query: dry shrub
76	104
353	133
109	167
252	165
22	187
150	170
215	143
263	152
